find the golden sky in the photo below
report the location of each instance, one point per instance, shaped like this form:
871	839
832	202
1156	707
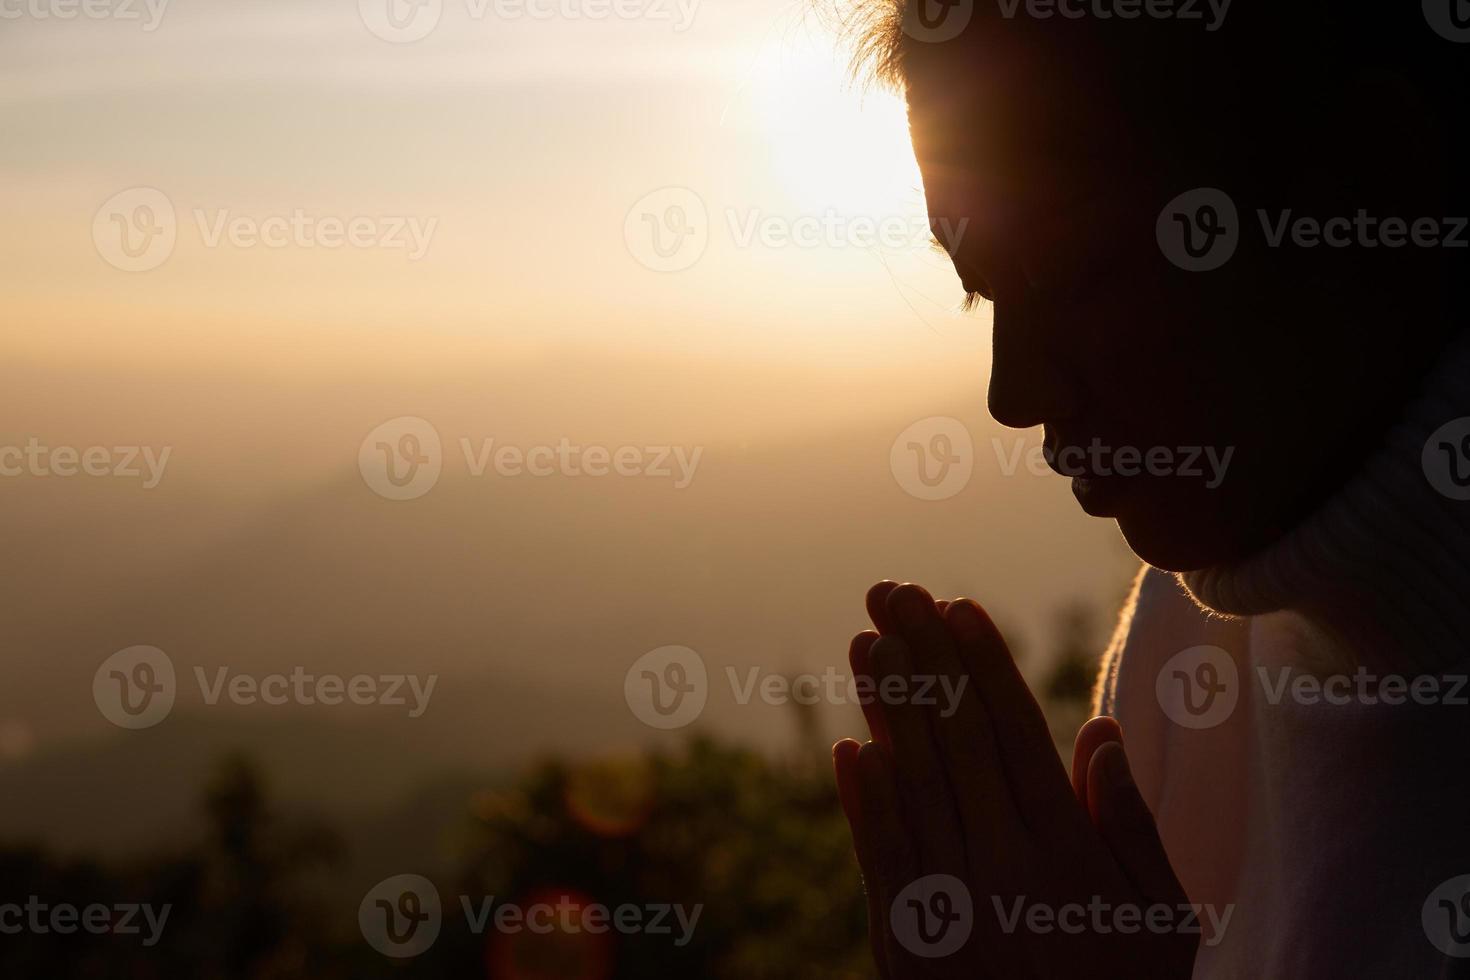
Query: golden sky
250	233
500	163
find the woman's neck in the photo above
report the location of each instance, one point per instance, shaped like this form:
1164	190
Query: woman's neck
1384	565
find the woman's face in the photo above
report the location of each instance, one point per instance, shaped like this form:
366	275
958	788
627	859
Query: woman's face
1205	411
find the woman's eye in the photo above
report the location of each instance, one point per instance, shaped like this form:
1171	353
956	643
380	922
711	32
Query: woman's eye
974	297
977	288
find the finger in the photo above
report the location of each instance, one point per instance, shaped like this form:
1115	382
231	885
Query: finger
876	601
941	605
895	860
927	799
1089	738
844	767
860	658
959	724
1125	823
1038	783
849	794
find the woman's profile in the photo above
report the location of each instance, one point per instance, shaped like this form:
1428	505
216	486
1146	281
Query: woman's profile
1239	231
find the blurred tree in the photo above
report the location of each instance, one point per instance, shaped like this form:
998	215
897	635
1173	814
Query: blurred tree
763	849
234	906
1075	663
259	919
758	846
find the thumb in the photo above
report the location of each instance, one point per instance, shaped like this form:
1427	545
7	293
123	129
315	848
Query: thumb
1126	825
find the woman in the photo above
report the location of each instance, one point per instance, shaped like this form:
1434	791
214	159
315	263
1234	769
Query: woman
1211	228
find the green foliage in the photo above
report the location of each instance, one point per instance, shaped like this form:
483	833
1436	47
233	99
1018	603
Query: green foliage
761	847
1074	668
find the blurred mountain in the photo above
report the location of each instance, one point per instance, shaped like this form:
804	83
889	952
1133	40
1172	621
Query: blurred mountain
262	549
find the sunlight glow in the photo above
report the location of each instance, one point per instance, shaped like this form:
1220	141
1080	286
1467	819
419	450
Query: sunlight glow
832	146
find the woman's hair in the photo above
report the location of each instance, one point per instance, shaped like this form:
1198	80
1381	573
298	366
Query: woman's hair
1240	84
1304	38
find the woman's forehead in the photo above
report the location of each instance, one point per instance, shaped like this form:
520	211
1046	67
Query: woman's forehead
1004	105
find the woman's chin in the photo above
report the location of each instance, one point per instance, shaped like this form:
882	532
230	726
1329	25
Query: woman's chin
1166	550
1175	536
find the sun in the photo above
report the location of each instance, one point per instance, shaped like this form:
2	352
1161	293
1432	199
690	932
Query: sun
832	144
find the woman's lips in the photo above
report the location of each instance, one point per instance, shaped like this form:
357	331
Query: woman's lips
1099	496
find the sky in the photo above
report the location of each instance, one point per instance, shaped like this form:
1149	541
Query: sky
253	236
517	147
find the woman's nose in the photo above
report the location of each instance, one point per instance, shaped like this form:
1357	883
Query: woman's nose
1032	378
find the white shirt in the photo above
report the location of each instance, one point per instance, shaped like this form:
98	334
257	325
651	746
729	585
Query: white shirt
1318	794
